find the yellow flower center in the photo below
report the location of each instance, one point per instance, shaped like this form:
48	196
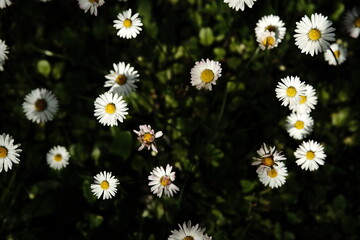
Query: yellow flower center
127	23
40	105
299	124
357	22
314	34
303	99
104	184
267	161
148	138
271	28
110	108
165	181
120	79
272	173
58	157
93	1
310	155
291	92
268	41
3	152
207	76
188	238
337	54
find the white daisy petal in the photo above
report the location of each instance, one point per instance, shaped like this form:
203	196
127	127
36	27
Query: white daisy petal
90	5
310	155
58	157
162	181
290	90
187	232
147	137
239	4
340	53
205	73
128	26
352	22
105	184
9	152
299	125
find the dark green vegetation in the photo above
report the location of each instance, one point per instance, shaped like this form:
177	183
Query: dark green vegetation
210	137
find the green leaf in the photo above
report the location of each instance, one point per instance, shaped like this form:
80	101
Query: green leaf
121	145
206	36
247	185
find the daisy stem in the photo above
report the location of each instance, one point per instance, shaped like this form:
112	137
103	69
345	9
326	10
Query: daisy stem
337	63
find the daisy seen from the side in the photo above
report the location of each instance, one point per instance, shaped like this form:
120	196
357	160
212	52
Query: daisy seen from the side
9	152
122	80
161	181
271	23
128	26
3	53
274	176
352	22
40	105
90	5
299	125
239	4
110	108
105	185
307	101
58	157
267	40
313	35
187	232
310	155
205	73
337	54
147	136
267	156
289	91
5	3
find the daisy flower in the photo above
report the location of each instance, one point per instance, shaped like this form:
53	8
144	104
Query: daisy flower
110	108
352	22
307	101
310	155
128	26
239	4
340	53
147	137
187	232
289	91
273	176
122	80
5	3
40	105
267	156
9	152
271	23
105	184
3	53
313	35
91	5
267	40
58	157
299	125
162	181
205	73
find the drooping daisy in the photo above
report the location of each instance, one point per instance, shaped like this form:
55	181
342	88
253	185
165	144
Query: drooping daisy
310	155
267	40
273	176
91	5
187	232
299	125
340	53
239	4
58	157
162	181
205	73
110	108
307	101
271	23
147	137
313	35
9	152
5	3
352	22
267	156
105	184
3	53
40	105
289	91
122	80
128	26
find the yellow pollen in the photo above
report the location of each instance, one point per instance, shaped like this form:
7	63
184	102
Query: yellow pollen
268	41
165	181
267	161
271	28
303	99
310	155
40	105
93	1
291	92
110	108
299	124
188	238
314	34
127	23
104	184
337	54
207	76
3	152
121	79
272	173
58	157
148	138
357	22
